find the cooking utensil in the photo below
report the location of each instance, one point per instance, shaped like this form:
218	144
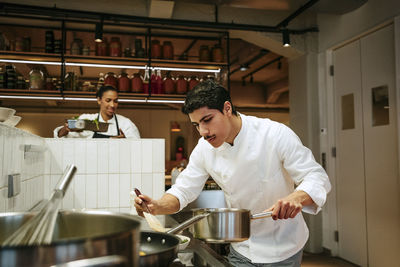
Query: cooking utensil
224	225
78	235
152	220
39	230
159	249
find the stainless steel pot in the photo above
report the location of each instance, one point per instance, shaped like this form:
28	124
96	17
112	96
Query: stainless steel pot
225	225
77	235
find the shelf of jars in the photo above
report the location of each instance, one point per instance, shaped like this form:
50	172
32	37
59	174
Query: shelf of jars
35	64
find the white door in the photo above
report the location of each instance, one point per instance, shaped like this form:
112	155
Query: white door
380	147
350	154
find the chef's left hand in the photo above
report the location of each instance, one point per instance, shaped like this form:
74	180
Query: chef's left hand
122	135
290	206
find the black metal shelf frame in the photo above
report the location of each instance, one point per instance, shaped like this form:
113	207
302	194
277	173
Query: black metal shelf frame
148	35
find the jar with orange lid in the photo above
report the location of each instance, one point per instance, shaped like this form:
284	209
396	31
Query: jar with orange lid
169	84
204	53
217	54
102	48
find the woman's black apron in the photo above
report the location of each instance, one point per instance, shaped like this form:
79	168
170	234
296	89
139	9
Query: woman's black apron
98	135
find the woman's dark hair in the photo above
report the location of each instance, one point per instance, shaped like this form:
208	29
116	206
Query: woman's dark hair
104	89
207	94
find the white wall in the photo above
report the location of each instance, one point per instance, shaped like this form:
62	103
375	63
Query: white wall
107	170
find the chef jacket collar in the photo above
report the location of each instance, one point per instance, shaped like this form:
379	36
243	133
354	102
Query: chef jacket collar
237	139
112	120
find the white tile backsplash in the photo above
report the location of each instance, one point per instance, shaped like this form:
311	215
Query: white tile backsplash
113	190
147	156
124	189
79	191
102	190
113	156
107	170
91	157
91	191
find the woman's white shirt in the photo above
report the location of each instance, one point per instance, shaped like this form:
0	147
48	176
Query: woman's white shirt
264	164
126	125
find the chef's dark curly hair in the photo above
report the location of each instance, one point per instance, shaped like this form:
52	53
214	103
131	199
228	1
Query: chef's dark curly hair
207	94
104	89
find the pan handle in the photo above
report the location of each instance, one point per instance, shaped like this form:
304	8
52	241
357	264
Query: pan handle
261	215
187	223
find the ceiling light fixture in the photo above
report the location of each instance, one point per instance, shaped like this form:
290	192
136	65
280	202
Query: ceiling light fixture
244	67
285	38
98	35
175	127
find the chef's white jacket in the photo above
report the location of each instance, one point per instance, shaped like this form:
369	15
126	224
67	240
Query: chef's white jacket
126	125
264	164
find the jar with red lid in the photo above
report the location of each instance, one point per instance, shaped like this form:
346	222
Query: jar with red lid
155	49
169	85
193	82
110	79
217	54
168	50
115	47
102	48
124	83
181	85
204	53
137	83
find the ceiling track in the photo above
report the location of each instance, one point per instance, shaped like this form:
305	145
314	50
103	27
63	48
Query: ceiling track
8	9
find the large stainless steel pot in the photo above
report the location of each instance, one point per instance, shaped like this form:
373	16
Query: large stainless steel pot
225	225
77	235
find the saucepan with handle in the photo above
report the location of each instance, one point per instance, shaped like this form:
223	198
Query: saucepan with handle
224	225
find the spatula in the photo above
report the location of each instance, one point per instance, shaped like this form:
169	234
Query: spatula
152	220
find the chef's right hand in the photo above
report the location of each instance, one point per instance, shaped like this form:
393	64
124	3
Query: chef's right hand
139	201
64	130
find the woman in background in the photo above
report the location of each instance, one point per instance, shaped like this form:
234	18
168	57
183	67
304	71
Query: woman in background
119	126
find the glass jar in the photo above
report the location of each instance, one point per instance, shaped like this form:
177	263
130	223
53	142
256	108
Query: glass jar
49	45
115	47
217	54
169	85
127	52
146	80
193	82
21	83
49	84
168	50
70	81
100	82
86	86
86	50
155	49
19	44
76	47
181	85
102	48
36	79
111	79
124	83
204	53
139	50
137	83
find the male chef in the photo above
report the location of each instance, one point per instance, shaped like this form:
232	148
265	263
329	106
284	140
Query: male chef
260	165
